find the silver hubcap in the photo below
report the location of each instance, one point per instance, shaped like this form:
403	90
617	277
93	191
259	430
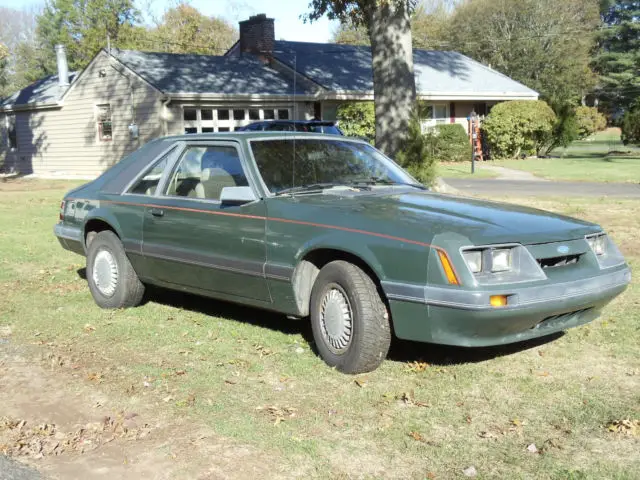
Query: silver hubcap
336	319
105	273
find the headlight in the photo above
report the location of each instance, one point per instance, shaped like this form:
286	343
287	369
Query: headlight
492	265
474	260
605	250
501	260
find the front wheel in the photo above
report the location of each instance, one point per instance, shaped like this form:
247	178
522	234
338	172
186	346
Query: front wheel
112	280
350	321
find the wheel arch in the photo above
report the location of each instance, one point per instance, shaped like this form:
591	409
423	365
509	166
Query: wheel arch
312	261
98	222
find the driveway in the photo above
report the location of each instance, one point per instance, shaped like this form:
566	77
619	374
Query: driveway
12	470
537	188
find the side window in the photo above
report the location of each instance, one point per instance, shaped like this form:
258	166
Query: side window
148	184
105	127
203	172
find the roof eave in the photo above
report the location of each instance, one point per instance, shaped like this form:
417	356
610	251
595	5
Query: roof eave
243	96
31	106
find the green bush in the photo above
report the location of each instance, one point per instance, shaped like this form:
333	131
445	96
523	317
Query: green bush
631	126
357	119
565	128
450	143
519	127
589	121
417	156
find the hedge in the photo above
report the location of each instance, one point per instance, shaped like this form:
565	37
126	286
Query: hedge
519	127
589	121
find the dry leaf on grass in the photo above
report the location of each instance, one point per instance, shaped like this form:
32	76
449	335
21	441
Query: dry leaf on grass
89	328
361	382
278	414
46	439
625	427
416	367
408	398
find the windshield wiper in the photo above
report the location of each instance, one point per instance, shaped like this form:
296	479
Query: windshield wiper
310	188
386	181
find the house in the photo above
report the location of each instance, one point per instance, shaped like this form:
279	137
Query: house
79	123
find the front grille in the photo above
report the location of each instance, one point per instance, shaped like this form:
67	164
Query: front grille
561	261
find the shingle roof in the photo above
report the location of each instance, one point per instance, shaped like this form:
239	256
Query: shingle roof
45	90
187	73
347	68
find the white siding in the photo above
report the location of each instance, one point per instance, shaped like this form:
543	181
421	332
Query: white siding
64	141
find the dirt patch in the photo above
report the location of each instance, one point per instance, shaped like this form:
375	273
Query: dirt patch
66	429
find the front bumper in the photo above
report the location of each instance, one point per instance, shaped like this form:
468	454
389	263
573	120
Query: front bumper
455	316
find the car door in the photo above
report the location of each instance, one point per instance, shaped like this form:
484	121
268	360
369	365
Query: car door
191	239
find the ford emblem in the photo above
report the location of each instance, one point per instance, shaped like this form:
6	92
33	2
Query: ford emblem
563	249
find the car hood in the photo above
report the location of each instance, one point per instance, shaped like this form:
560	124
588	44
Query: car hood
483	222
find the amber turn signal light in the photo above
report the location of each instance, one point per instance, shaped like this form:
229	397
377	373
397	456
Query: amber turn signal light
450	273
498	300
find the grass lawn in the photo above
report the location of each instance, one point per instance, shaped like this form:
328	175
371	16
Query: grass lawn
603	158
463	170
428	412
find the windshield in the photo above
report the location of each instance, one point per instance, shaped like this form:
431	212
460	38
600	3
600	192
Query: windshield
287	164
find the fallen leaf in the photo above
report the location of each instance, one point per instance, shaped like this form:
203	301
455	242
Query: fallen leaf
625	427
431	476
543	374
181	372
89	328
230	381
361	382
417	436
416	367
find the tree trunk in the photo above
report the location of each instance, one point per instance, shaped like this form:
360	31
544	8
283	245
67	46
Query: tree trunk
394	85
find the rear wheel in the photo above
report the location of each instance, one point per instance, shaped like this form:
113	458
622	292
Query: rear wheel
112	280
350	321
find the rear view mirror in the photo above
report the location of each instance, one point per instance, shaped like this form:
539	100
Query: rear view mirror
237	195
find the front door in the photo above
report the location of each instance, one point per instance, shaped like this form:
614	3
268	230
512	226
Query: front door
191	239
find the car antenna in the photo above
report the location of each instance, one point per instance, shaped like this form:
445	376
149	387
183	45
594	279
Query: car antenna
295	77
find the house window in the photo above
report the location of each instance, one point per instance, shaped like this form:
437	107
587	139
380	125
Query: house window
238	114
210	119
105	127
12	134
206	114
435	114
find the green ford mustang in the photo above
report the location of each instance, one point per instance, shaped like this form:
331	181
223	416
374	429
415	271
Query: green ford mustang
327	227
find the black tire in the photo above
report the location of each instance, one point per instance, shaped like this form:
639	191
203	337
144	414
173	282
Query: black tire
127	290
370	332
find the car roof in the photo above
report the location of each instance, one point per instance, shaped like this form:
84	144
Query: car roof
239	136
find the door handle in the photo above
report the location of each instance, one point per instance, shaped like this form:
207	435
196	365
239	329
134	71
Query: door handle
157	212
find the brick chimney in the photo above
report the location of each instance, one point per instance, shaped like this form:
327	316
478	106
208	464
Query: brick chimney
257	36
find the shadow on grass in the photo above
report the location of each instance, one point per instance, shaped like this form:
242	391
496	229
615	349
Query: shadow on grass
401	350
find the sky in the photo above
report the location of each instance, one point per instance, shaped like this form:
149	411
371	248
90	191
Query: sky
286	13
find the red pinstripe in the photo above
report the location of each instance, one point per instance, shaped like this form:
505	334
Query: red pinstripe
297	222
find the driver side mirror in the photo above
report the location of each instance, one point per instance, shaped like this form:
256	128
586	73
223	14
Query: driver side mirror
237	195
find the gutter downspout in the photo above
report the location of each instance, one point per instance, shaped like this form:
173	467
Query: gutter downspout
165	114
